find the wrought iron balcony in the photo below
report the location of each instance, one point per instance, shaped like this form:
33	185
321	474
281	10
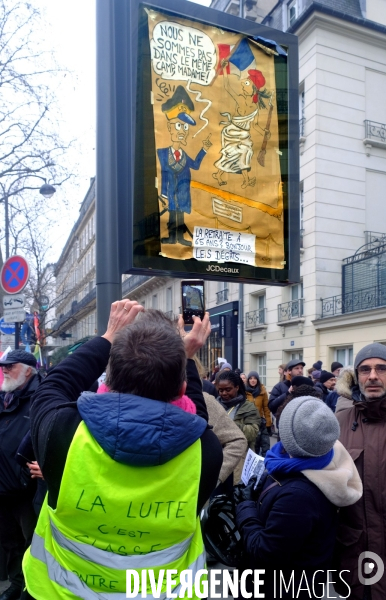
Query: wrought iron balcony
375	132
222	296
302	123
290	310
255	318
373	297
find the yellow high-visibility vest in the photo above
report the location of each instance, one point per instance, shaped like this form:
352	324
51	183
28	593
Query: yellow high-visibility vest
111	517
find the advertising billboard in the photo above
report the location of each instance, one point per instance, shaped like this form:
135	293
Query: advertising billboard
207	170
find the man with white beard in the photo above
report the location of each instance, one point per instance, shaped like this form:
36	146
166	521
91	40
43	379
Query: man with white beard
17	488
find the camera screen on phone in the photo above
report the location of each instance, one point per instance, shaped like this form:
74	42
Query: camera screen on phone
193	297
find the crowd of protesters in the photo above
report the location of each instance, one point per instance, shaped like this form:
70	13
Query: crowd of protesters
119	452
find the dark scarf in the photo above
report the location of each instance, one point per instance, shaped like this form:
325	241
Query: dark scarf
255	391
231	403
374	409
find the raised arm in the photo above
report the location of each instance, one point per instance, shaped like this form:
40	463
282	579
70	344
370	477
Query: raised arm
227	85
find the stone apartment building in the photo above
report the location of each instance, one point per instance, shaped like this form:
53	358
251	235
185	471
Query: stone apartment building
339	306
75	277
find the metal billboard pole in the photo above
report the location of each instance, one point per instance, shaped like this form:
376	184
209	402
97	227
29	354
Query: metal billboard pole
108	274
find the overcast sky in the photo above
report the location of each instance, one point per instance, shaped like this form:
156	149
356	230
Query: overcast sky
71	32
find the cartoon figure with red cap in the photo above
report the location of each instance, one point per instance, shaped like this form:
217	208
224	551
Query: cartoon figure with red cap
236	142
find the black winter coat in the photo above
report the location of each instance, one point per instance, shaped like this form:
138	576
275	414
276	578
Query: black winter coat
278	395
291	528
14	424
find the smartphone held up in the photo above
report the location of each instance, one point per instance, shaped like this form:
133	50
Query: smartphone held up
193	299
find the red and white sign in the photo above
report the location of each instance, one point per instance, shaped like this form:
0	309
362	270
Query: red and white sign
14	274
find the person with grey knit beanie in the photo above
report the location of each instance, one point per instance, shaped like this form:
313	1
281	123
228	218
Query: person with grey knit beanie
291	525
308	428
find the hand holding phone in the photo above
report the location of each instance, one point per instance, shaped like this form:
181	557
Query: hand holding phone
193	299
197	336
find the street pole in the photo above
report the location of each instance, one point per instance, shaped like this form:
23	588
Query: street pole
108	275
240	328
6	215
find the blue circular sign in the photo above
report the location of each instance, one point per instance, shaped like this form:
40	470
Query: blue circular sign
14	274
7	328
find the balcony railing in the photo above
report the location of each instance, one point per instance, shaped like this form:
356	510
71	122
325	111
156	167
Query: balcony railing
75	308
254	318
302	123
131	283
222	296
375	131
290	310
373	297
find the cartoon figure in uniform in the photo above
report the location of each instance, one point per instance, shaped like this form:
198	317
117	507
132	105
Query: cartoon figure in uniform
176	165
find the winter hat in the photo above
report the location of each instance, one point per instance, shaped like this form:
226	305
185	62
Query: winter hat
253	374
318	365
19	356
308	427
294	363
335	366
225	366
316	375
374	350
299	380
325	376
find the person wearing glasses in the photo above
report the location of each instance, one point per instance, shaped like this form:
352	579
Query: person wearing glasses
362	526
17	483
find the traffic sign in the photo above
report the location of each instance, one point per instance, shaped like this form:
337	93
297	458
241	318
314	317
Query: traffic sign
14	315
14	274
44	302
7	328
15	301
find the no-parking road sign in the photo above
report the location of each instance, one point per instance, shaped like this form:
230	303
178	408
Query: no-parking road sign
14	274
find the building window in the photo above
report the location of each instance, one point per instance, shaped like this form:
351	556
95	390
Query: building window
345	355
296	356
154	301
260	364
169	299
222	294
292	12
297	291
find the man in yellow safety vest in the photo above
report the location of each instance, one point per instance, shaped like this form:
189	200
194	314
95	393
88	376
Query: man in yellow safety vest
128	470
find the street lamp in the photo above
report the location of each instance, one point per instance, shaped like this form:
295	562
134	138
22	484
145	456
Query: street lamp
47	190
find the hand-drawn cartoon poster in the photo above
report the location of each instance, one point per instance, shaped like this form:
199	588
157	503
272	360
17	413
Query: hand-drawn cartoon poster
217	140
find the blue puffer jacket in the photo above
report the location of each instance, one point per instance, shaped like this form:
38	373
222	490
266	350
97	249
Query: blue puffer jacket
138	431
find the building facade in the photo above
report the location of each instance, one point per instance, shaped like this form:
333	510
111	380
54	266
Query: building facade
339	306
75	278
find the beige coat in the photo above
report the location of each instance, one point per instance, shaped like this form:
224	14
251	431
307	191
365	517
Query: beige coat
232	439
